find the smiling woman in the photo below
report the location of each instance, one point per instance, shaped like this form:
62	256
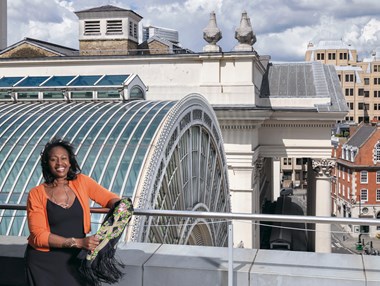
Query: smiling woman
59	217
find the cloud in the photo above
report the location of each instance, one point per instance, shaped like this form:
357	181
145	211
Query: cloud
283	27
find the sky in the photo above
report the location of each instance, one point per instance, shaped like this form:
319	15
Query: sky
283	28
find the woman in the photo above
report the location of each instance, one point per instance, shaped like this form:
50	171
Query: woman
59	217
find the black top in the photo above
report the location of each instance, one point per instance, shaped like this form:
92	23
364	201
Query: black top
59	266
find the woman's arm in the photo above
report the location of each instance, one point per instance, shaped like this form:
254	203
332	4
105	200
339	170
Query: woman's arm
112	202
89	242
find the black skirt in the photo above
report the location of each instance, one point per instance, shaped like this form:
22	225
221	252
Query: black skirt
59	266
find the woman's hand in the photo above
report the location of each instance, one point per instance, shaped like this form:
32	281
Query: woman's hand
89	242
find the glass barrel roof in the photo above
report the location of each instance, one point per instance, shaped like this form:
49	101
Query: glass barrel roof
111	141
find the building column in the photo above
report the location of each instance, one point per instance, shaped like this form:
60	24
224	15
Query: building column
322	205
256	203
276	180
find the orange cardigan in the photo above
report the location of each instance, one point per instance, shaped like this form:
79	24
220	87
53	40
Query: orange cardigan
84	187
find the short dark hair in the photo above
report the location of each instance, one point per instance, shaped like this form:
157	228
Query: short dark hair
46	172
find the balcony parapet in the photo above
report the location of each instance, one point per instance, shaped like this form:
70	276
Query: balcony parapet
149	264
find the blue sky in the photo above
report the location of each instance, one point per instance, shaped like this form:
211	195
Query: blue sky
283	27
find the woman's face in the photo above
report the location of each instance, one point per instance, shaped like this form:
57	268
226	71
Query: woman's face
59	162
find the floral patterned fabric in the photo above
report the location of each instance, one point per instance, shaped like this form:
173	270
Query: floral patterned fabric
100	265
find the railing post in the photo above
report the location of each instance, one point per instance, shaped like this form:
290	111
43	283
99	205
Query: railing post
230	254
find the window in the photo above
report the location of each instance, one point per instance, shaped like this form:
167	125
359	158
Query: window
366	81
376	80
320	56
53	94
81	94
360	91
114	27
349	78
92	27
136	93
331	56
366	93
364	177
348	175
364	195
363	106
343	173
377	177
27	95
376	106
349	91
377	152
108	94
343	56
5	95
376	68
350	105
376	93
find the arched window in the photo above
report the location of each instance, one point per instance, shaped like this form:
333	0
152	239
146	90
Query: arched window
377	153
136	93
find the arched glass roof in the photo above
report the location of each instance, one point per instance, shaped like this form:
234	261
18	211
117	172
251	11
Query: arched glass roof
176	146
111	141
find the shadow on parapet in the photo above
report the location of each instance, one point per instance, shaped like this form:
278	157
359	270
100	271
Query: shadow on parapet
172	265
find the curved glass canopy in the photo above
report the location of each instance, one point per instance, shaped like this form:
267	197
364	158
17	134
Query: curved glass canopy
123	145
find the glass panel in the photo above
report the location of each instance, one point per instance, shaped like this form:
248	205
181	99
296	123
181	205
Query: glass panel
32	81
58	81
27	95
9	81
113	80
53	94
136	93
85	80
108	94
5	95
81	94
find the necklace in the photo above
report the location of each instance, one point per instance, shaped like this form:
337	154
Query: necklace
64	205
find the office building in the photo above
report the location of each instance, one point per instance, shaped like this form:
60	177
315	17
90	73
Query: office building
359	79
163	33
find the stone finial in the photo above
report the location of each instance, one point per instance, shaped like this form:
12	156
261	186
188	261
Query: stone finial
244	34
212	35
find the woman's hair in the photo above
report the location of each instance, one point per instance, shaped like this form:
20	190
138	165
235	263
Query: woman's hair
46	172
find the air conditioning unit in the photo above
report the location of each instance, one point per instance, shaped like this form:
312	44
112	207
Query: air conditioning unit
356	228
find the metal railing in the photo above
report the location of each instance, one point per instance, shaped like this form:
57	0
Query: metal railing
230	217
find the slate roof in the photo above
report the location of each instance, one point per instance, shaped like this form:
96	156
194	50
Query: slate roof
58	49
304	80
362	134
106	8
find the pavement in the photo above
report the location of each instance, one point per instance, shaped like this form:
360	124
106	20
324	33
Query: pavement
344	242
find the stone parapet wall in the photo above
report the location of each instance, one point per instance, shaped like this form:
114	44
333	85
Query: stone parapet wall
148	264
